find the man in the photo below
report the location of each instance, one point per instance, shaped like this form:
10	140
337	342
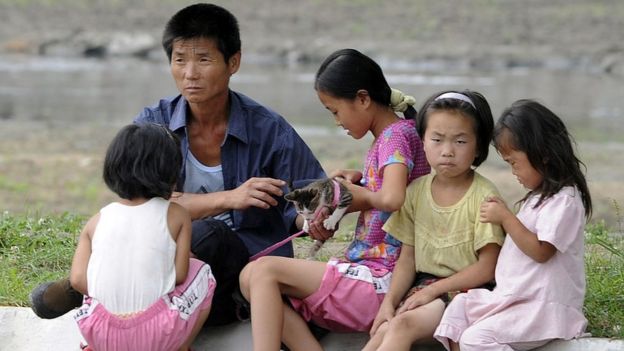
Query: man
237	156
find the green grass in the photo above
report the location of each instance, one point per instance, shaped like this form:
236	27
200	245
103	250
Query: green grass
35	248
604	267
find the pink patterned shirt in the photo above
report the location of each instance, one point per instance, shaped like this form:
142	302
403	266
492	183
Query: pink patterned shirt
398	143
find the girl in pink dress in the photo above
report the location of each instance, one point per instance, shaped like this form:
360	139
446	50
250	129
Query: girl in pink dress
540	274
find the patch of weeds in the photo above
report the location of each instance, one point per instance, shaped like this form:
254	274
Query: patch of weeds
604	267
34	249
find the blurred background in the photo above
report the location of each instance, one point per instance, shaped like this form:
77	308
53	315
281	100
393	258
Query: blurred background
72	72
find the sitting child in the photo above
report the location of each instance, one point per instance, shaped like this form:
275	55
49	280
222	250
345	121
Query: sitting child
445	247
142	292
540	272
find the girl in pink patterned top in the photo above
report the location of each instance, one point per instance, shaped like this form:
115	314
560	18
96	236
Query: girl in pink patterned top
540	271
344	294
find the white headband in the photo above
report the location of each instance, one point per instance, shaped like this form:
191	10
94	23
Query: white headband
456	96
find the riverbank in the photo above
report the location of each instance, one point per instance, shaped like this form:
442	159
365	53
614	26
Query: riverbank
421	34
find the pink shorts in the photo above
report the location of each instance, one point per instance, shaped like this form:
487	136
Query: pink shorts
348	298
165	325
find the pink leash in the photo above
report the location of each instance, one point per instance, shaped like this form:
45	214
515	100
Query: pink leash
273	247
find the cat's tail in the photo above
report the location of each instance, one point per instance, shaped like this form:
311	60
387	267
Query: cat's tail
314	249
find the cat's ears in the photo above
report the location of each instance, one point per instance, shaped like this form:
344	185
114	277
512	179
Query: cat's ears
291	195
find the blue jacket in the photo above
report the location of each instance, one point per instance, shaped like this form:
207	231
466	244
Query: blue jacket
259	143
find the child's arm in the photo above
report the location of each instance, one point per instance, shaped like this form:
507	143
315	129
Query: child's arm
351	175
402	278
78	273
475	275
389	198
179	221
494	210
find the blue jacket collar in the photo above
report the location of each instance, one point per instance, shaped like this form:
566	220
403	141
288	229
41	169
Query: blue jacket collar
236	121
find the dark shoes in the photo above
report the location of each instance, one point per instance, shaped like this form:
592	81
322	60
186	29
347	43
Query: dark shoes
54	299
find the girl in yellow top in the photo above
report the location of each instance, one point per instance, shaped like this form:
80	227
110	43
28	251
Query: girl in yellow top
446	248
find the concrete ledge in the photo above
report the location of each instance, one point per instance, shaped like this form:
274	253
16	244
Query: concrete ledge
20	329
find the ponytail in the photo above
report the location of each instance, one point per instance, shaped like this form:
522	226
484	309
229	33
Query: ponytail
400	102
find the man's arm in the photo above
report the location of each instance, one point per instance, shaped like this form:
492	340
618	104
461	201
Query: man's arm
255	192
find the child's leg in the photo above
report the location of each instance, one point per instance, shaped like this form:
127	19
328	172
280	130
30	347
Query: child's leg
412	326
264	281
201	319
453	345
296	334
376	339
199	283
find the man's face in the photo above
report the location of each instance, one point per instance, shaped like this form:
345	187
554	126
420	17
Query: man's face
200	71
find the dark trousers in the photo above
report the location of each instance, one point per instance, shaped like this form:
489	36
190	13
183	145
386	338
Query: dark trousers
216	244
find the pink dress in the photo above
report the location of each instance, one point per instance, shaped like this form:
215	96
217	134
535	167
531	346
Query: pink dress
532	301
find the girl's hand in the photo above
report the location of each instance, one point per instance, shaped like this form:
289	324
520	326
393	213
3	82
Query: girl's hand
317	231
417	298
493	210
385	314
350	175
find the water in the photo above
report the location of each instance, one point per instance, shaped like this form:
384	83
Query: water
60	90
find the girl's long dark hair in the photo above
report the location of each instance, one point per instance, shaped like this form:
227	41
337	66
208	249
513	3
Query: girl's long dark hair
542	136
346	71
143	161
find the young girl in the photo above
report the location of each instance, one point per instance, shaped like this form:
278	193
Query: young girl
445	247
540	275
344	294
132	260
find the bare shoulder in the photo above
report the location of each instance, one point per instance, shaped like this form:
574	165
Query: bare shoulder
177	216
89	228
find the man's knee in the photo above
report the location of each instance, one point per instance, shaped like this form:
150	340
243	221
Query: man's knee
215	243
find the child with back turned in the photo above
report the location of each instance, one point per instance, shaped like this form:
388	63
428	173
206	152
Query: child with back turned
540	274
344	293
445	247
142	292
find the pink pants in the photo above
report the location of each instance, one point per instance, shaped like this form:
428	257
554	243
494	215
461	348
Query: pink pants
165	325
348	298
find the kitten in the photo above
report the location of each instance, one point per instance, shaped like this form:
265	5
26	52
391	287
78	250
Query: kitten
310	199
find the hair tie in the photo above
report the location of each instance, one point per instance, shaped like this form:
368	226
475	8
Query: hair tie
399	101
456	96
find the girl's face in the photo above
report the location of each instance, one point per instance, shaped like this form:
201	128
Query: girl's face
450	143
349	114
521	167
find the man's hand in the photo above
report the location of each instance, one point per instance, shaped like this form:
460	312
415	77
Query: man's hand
256	192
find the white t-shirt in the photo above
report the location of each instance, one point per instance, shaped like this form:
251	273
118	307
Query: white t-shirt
132	256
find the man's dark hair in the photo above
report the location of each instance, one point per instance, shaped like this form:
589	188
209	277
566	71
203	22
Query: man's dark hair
143	160
203	21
